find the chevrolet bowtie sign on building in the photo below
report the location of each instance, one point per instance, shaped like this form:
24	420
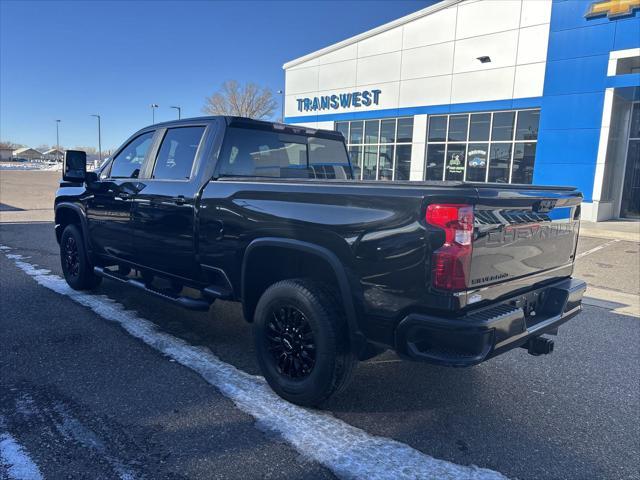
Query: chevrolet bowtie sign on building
612	8
507	91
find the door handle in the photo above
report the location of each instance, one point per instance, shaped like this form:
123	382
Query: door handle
179	200
123	195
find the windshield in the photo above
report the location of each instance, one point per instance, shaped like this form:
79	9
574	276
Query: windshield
259	153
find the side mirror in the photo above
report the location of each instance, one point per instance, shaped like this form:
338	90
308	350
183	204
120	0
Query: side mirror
91	177
74	168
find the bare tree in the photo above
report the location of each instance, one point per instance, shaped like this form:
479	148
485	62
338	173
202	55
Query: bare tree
249	100
9	144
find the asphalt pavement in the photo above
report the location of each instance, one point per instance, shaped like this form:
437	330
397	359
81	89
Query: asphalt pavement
85	399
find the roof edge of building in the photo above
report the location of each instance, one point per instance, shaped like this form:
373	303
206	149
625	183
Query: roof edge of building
374	31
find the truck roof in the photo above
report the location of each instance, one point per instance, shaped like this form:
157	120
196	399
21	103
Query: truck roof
252	123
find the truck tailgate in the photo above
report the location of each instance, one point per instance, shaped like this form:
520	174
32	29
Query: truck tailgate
522	231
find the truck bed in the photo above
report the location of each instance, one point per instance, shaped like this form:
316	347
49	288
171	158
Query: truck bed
378	230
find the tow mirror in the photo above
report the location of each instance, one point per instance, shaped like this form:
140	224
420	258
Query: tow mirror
74	168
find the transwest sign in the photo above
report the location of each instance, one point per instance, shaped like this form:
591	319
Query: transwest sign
358	99
612	8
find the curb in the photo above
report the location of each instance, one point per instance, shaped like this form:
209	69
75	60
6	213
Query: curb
611	235
618	302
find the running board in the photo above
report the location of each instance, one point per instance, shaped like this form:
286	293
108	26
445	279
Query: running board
184	302
215	292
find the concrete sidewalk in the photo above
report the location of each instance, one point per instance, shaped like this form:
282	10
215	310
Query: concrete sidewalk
628	230
617	302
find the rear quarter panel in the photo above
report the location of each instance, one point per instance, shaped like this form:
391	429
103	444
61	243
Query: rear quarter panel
375	230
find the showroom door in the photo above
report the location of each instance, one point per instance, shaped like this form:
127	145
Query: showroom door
630	205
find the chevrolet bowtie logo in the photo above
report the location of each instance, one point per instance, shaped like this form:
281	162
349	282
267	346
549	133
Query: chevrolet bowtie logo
612	8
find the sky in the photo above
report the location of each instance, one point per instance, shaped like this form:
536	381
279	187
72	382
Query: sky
69	59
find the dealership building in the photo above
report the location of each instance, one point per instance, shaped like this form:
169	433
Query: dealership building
511	91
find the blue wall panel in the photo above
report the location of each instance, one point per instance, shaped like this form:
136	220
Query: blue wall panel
581	110
576	149
566	174
573	98
575	75
570	15
582	42
627	34
628	80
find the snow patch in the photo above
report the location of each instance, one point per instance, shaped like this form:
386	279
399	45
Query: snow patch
31	166
71	428
15	462
350	453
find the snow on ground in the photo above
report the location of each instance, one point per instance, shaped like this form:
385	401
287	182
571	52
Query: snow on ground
347	451
39	166
15	462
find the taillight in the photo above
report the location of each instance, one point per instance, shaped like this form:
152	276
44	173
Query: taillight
450	264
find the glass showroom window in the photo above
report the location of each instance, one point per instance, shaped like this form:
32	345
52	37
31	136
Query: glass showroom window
482	147
379	149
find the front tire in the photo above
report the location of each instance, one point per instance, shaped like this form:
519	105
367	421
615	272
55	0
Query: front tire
77	270
301	340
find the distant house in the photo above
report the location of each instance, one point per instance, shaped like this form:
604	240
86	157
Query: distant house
27	154
54	154
6	154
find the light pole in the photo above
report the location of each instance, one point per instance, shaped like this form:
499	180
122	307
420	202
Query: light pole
99	139
153	112
281	92
58	140
179	111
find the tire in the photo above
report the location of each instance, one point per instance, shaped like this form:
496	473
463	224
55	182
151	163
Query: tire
313	315
77	270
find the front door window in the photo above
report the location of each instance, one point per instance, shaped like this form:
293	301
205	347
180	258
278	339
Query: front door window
128	162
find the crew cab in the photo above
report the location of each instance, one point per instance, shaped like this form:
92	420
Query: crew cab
329	270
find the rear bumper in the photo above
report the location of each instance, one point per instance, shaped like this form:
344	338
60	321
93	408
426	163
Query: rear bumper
485	333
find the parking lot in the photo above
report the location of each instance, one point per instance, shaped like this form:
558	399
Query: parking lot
118	384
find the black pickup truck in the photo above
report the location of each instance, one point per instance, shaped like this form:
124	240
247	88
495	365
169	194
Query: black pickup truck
329	270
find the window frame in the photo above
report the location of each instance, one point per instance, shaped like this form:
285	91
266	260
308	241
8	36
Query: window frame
363	145
513	142
221	148
132	139
161	135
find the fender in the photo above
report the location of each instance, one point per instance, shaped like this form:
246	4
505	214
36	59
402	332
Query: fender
358	340
83	221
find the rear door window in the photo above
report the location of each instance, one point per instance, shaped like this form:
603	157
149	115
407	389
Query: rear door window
327	159
177	153
128	162
260	153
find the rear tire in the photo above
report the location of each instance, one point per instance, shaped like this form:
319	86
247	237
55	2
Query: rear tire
302	343
77	270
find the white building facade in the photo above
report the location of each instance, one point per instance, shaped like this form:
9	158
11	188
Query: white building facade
483	90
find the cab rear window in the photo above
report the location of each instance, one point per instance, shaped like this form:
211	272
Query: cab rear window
258	153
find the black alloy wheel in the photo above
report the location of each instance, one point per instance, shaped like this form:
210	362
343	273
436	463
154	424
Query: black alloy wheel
71	256
301	340
291	341
75	263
